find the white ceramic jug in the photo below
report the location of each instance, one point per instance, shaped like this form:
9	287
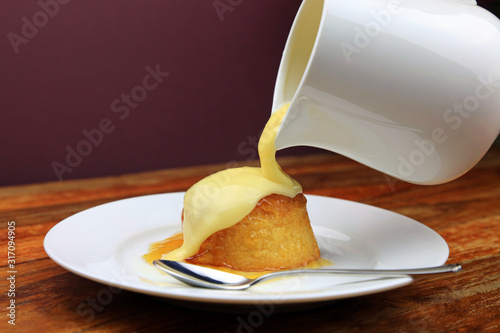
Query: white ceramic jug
408	87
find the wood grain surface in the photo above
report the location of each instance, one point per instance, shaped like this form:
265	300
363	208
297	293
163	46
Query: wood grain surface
466	212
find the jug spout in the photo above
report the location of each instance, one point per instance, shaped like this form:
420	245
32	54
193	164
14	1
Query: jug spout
406	88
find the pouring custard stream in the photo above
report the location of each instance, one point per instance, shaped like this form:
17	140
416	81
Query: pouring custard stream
222	199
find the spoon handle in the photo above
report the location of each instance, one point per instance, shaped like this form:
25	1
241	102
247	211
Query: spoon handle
451	268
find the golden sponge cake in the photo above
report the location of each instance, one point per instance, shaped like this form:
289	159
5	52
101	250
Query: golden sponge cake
277	234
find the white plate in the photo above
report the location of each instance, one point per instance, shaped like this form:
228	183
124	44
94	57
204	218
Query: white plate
105	244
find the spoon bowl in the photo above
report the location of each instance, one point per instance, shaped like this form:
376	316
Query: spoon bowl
204	277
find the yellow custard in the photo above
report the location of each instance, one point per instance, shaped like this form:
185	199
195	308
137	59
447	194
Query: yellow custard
221	200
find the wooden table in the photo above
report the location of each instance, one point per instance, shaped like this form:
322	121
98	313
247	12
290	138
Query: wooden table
466	212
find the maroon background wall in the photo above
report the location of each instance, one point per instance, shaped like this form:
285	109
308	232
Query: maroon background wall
95	88
68	71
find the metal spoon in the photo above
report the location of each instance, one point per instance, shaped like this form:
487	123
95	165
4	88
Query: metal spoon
199	276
